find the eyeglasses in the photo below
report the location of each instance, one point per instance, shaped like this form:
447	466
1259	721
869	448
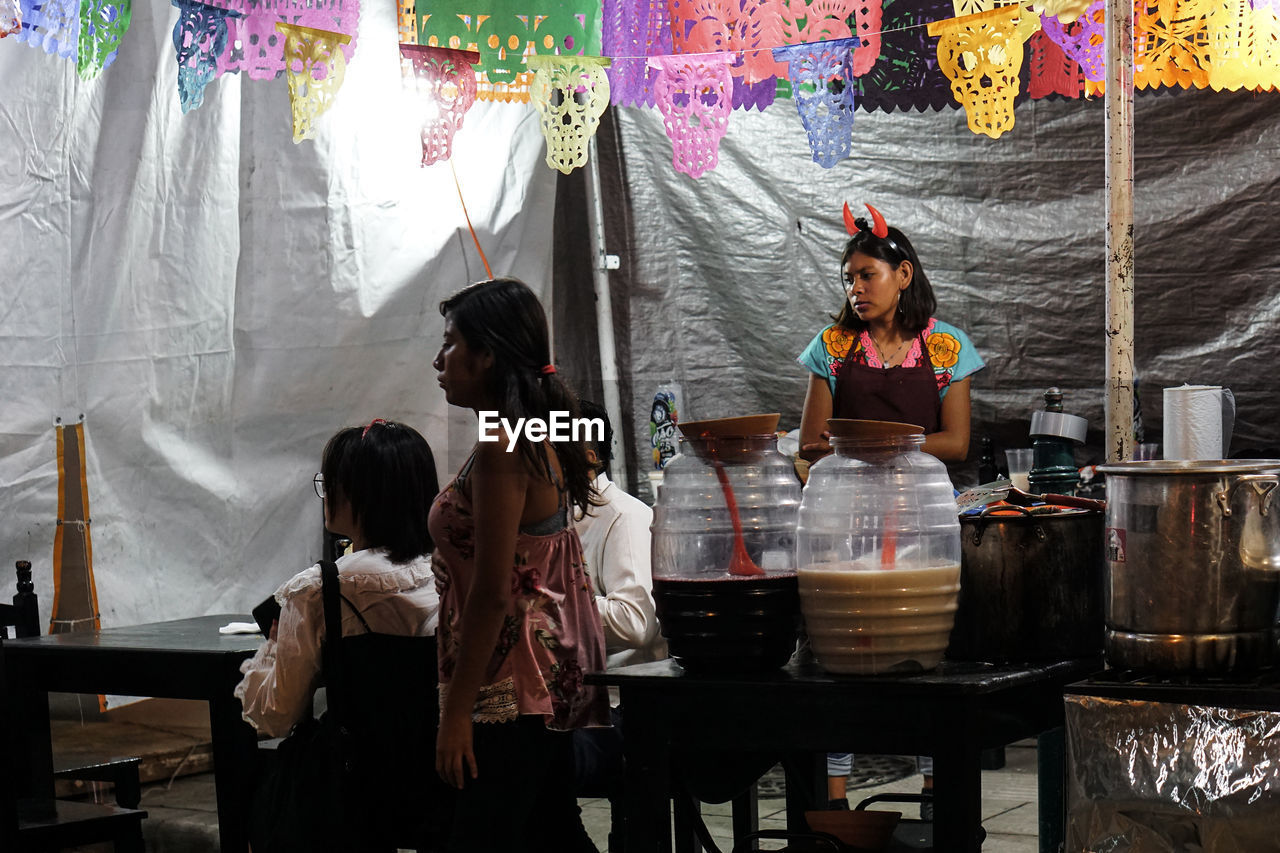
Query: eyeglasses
318	482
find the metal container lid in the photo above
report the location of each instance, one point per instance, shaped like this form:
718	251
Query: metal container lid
1061	424
1168	467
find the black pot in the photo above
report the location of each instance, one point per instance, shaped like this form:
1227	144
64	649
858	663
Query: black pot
1031	585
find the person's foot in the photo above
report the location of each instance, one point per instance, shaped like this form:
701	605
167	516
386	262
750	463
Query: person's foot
838	804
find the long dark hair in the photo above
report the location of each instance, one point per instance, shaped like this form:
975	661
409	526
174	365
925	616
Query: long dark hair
387	475
503	317
917	303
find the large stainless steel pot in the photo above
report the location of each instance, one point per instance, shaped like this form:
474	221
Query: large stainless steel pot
1030	585
1193	565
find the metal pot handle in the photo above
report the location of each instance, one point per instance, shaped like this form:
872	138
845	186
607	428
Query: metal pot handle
992	509
1263	484
989	511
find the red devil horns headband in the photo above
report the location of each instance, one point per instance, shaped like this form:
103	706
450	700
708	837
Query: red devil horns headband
879	228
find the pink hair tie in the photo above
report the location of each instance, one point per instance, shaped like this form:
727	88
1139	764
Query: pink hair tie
548	369
371	425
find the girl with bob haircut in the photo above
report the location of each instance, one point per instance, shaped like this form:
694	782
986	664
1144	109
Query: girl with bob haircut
377	483
519	625
887	357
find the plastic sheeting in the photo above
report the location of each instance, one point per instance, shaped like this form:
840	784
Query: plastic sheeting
217	301
1158	777
725	279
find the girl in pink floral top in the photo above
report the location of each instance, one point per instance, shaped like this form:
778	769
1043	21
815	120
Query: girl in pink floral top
518	624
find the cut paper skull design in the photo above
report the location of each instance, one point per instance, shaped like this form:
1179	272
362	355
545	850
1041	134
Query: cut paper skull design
1028	22
53	26
634	29
695	96
506	32
444	83
199	37
1171	43
254	45
1083	40
821	76
1244	45
829	20
982	55
747	28
103	24
570	94
10	17
1064	11
316	67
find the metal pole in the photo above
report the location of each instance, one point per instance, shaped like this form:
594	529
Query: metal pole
1119	150
602	263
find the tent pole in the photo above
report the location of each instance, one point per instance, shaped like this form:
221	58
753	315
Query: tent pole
1119	153
602	262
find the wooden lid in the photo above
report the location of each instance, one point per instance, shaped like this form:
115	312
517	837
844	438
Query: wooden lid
849	428
737	426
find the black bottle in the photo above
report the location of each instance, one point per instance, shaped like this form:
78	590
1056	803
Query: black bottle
986	462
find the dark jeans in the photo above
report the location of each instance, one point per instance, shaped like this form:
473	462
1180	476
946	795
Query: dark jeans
523	798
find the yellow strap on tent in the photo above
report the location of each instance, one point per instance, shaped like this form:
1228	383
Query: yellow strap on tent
75	595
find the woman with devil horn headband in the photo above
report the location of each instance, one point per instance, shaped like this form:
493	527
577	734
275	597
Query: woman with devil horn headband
887	357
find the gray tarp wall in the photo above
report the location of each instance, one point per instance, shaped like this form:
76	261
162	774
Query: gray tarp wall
725	279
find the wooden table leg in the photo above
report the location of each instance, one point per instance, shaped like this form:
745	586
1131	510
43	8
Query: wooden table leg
1051	769
34	764
234	748
646	750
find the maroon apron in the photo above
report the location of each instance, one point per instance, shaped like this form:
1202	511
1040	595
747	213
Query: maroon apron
908	395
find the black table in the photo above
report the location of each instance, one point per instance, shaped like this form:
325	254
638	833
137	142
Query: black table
182	659
952	713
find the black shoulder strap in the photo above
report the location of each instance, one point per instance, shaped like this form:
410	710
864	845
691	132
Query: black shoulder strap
331	652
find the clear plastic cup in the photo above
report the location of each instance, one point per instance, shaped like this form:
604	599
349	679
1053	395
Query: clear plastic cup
1020	461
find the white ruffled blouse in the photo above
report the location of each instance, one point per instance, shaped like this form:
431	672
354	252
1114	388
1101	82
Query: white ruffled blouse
394	598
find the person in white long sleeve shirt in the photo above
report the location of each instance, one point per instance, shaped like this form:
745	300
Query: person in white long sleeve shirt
377	483
615	543
394	598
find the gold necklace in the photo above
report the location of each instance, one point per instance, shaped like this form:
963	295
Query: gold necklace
880	349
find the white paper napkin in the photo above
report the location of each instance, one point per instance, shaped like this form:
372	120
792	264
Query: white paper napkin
240	628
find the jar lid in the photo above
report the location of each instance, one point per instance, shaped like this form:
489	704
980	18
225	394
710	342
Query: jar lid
851	428
736	426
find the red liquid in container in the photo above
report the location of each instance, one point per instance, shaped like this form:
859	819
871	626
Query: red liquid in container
731	624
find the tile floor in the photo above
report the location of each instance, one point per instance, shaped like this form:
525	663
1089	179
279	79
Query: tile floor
182	817
183	820
1009	807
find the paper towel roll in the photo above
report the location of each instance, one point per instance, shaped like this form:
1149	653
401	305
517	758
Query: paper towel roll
1193	422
